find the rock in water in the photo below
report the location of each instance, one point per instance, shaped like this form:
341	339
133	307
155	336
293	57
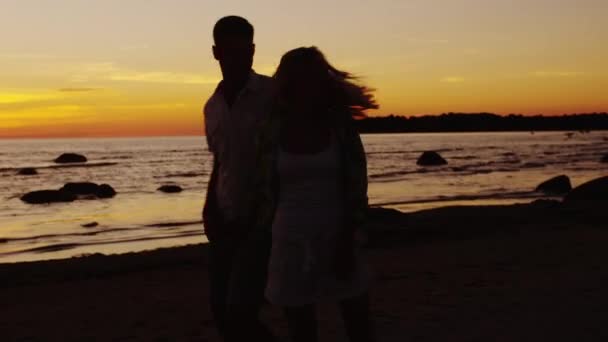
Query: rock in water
105	191
48	196
27	171
88	188
170	188
81	188
592	191
559	185
431	158
70	158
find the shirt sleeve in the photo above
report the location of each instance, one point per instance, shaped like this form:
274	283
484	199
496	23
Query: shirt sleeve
207	118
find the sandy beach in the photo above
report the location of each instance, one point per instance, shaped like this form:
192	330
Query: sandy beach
532	272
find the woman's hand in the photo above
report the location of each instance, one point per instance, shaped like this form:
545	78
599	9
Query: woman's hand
212	222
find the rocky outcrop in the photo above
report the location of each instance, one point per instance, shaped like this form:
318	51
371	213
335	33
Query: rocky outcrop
27	171
105	191
70	192
170	188
431	158
81	188
88	188
592	191
48	196
70	158
559	185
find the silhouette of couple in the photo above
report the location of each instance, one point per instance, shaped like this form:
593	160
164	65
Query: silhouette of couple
287	192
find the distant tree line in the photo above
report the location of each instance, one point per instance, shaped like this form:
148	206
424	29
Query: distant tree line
483	122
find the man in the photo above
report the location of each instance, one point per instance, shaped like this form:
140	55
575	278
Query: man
238	254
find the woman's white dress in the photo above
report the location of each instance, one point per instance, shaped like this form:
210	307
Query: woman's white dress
308	218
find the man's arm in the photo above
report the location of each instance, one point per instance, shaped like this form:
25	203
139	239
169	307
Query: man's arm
212	219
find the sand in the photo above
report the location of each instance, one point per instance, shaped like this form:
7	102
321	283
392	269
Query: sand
503	273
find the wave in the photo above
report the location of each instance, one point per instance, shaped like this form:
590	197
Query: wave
166	229
472	197
66	246
61	166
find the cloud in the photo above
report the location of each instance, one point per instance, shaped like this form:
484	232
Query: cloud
10	97
452	79
134	47
110	72
557	73
426	41
77	90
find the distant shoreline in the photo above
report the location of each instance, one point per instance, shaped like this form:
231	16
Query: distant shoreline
439	123
483	122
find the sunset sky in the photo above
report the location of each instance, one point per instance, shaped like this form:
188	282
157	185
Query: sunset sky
144	67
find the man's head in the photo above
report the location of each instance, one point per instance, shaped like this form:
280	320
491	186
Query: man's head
233	46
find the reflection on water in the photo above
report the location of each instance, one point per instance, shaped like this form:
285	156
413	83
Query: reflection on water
483	168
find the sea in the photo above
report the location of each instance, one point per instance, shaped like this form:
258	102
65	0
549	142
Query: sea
482	169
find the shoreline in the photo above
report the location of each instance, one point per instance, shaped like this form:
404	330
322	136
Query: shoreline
502	273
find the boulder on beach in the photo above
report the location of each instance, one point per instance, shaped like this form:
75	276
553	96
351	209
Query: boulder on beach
81	188
70	158
592	191
48	196
105	191
88	188
559	185
27	171
431	158
90	225
170	188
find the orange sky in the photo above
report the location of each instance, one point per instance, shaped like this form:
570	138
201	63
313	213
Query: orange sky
104	68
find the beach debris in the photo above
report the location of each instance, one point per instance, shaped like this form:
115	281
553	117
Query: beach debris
27	171
71	158
593	191
559	185
170	188
48	196
90	225
431	158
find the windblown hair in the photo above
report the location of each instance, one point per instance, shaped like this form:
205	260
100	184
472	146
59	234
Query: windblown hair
230	27
345	93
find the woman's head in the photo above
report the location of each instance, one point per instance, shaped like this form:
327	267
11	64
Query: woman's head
306	79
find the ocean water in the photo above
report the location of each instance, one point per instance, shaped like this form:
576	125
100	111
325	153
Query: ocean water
483	168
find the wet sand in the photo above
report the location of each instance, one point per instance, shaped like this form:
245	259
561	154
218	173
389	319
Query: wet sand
503	273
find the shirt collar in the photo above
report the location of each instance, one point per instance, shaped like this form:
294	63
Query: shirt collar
253	83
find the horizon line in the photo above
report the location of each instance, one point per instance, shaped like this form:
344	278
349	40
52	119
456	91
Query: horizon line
151	135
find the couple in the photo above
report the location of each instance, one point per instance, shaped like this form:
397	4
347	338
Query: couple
287	192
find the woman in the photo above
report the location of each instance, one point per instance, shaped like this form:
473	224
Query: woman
312	183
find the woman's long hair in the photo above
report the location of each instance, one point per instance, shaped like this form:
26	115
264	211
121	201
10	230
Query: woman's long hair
344	92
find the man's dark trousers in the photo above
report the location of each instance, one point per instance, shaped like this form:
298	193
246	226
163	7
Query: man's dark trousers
238	271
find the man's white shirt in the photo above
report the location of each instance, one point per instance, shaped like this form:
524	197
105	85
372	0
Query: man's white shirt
231	135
